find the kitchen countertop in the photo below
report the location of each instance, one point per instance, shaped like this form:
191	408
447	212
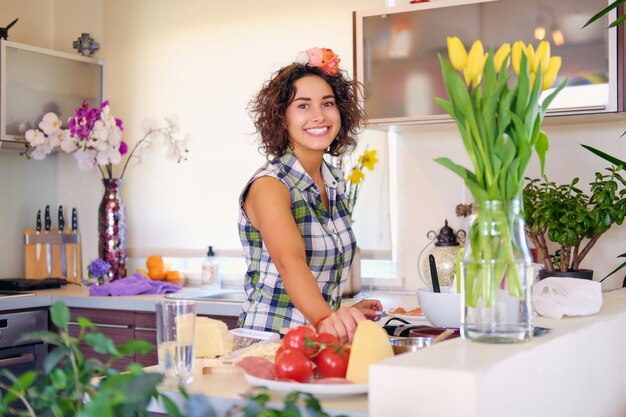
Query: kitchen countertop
575	370
77	296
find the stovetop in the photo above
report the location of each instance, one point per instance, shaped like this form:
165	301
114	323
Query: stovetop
15	294
24	284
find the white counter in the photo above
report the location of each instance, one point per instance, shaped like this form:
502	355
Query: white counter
579	369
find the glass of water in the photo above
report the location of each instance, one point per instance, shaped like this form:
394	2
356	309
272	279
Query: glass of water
176	320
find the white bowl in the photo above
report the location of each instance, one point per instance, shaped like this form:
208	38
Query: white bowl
441	309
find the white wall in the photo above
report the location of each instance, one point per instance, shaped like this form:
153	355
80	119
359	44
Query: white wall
204	60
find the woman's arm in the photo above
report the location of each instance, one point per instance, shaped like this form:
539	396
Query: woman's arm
268	207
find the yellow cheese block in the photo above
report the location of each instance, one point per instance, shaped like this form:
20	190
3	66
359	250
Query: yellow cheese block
212	338
370	345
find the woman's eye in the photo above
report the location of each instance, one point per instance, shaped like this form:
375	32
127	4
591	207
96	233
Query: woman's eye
302	106
329	104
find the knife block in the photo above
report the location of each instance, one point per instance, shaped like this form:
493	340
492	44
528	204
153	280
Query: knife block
36	267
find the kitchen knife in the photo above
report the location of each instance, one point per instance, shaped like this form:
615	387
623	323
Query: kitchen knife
47	223
61	233
38	232
74	232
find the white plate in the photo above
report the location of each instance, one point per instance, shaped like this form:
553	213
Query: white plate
320	390
406	317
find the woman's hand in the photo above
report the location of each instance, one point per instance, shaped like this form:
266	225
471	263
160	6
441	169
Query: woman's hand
342	323
369	308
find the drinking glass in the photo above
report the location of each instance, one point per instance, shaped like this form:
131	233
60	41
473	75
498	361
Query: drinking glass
176	321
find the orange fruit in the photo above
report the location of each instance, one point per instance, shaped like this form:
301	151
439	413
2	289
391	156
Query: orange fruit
154	261
156	273
175	277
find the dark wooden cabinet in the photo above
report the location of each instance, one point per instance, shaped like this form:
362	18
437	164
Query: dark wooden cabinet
123	326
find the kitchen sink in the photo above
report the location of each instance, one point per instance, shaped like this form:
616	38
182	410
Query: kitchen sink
199	294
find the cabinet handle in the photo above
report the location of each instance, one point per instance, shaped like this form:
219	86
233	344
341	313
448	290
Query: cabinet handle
106	326
25	358
146	329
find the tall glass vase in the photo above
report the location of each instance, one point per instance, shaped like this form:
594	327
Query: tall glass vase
112	229
496	275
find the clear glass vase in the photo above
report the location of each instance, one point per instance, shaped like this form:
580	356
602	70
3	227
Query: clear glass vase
496	275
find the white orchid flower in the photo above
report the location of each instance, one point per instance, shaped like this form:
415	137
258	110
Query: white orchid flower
55	139
40	152
35	137
50	123
172	123
109	156
69	143
85	159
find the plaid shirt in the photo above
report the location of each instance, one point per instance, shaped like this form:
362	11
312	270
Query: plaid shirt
328	240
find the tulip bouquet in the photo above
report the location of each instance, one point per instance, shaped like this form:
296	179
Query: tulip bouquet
499	117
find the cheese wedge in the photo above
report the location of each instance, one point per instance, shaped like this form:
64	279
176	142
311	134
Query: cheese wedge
212	338
369	345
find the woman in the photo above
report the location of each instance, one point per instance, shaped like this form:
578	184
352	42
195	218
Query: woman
294	223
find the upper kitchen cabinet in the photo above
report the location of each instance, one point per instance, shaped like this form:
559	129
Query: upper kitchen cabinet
35	81
396	53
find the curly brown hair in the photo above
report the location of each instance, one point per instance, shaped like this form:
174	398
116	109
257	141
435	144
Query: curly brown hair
268	107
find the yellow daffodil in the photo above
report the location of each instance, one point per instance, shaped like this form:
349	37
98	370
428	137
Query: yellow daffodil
516	55
549	76
356	176
542	57
368	159
502	56
475	62
457	53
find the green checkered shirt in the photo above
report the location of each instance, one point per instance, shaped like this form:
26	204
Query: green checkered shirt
328	240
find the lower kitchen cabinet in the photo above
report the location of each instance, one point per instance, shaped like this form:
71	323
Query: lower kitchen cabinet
122	326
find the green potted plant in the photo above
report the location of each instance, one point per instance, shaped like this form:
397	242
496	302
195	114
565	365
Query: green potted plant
572	219
612	159
73	386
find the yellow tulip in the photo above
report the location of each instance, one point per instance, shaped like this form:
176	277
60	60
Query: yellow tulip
542	57
457	53
466	76
549	75
532	79
502	56
475	60
516	55
530	56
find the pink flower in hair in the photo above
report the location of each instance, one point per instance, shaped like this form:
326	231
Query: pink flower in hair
322	58
315	56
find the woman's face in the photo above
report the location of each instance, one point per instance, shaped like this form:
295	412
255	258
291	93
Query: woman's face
312	118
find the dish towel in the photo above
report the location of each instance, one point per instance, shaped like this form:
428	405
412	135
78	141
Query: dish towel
133	285
558	297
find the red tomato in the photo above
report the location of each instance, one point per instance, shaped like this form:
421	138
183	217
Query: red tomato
281	349
327	339
332	361
301	338
294	365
